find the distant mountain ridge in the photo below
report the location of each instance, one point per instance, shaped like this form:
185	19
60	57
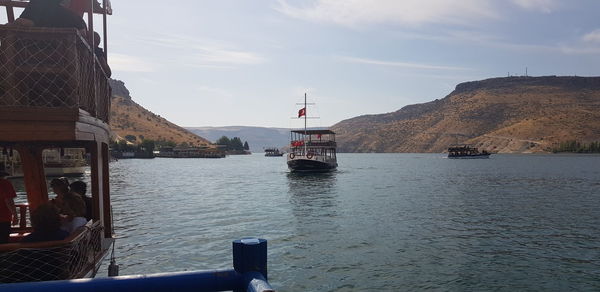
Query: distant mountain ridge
258	137
512	115
129	118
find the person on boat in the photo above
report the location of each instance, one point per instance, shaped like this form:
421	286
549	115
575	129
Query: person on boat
60	186
8	210
99	52
72	212
80	188
45	221
49	13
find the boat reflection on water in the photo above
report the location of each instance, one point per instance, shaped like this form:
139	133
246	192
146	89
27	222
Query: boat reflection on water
313	192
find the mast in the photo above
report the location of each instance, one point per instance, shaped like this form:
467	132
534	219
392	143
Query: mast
305	115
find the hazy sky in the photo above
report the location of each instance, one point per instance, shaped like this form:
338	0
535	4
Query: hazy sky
226	62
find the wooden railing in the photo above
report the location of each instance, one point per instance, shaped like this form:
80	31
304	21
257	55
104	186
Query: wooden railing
70	258
51	68
23	208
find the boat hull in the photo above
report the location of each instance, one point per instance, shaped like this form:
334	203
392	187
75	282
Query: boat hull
308	165
480	156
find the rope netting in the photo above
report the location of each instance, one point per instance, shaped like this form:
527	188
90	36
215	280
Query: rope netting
50	67
65	260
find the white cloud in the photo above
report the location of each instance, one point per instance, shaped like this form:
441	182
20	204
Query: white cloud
578	50
406	12
127	63
592	37
212	55
568	48
545	6
214	91
398	64
205	53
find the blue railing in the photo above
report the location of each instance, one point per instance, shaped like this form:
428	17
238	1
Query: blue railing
249	274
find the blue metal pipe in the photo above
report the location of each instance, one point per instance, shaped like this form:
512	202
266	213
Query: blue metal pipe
256	283
249	274
218	280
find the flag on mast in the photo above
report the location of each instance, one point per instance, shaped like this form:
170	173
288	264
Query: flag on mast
302	112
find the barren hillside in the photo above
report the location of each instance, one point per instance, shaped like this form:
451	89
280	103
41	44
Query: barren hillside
511	115
129	118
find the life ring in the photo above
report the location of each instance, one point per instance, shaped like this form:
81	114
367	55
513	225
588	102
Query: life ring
309	155
292	155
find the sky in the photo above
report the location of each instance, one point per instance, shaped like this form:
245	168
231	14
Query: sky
248	63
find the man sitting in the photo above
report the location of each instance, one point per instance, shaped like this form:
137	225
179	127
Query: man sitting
46	225
49	13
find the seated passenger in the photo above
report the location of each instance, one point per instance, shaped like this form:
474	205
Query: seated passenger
8	211
99	52
79	7
80	188
60	186
46	225
49	13
73	212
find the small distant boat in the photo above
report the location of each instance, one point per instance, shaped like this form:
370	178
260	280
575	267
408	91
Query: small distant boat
70	162
64	162
273	152
312	150
466	152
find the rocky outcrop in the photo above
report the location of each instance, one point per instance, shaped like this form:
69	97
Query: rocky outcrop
513	114
128	118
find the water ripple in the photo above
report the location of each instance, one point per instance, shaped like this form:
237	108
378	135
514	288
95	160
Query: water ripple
382	222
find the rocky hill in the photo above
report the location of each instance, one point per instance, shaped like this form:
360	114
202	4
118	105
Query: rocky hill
507	115
129	118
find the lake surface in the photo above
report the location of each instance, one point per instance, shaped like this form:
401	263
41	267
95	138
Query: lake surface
382	222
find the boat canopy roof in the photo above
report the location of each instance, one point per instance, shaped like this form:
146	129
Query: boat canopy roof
98	8
313	132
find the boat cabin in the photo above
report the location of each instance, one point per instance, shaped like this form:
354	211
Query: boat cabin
313	144
272	152
54	94
465	150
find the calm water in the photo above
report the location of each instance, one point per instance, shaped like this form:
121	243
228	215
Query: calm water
382	222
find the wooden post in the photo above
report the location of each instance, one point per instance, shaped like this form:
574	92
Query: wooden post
10	13
108	228
22	215
250	255
104	30
93	150
33	173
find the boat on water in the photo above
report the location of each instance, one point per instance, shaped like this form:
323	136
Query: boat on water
311	150
465	151
273	152
67	162
54	95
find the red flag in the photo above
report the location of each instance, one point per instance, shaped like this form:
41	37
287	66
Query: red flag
302	112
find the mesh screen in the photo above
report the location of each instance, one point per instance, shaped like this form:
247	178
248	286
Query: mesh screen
47	67
62	262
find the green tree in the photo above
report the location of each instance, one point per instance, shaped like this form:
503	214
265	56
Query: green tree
123	146
223	141
246	146
236	144
147	146
130	138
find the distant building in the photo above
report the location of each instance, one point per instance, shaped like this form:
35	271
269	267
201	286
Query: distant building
190	152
